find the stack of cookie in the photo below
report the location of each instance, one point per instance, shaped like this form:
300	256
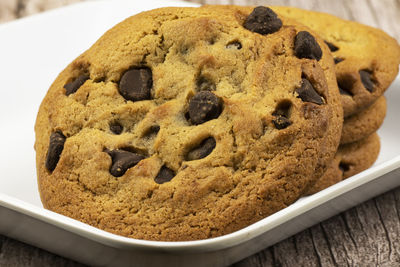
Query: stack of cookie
191	123
367	61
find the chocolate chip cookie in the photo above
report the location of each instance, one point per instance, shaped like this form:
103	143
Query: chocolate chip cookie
349	160
364	123
367	59
188	123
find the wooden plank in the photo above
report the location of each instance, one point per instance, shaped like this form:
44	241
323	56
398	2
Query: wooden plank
367	235
15	253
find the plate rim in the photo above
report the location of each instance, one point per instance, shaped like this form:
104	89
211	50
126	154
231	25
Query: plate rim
217	243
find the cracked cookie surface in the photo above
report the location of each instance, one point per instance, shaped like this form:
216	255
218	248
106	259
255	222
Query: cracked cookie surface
367	59
187	123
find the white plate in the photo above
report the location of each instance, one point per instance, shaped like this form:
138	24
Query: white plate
32	52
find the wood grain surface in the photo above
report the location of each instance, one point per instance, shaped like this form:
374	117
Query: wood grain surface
367	235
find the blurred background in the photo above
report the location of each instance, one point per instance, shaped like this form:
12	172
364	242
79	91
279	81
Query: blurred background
383	14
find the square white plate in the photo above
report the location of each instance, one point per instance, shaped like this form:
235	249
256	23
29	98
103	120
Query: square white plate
32	52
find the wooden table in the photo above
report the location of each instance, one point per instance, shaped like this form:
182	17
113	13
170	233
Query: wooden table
367	235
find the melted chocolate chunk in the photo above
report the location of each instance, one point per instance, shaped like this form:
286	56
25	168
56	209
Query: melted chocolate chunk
263	20
203	150
305	46
281	122
204	106
56	146
332	47
136	84
281	114
204	84
116	127
73	86
123	160
307	93
344	91
366	79
344	167
152	131
164	175
338	60
346	83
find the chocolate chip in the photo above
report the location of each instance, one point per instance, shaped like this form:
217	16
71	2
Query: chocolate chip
116	127
204	106
73	86
212	40
234	45
281	115
136	84
332	47
152	131
57	140
338	60
344	167
164	175
204	84
281	122
307	93
346	83
366	79
344	91
305	46
123	160
187	116
203	150
263	20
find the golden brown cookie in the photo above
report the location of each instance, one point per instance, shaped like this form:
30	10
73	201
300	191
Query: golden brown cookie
349	160
367	59
188	123
364	123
